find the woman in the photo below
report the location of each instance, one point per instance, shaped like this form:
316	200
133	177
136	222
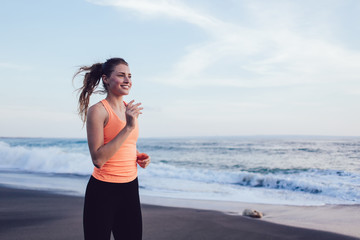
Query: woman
112	196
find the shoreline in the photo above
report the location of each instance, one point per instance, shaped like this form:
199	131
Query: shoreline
45	215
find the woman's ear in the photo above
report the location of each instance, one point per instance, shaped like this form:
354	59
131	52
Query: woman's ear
104	79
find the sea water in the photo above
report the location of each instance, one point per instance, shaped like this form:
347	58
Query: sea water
294	170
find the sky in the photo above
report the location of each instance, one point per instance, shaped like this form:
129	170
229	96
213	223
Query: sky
200	68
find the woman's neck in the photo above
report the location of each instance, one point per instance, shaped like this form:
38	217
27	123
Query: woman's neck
115	101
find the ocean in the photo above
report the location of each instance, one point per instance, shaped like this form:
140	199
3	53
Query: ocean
291	170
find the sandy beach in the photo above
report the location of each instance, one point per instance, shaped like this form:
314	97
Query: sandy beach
341	219
28	214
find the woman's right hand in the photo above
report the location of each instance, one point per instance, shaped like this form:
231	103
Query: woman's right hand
132	112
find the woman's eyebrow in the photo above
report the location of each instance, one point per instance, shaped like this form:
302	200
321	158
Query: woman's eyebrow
123	73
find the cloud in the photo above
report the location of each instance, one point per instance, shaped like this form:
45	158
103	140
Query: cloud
165	8
285	44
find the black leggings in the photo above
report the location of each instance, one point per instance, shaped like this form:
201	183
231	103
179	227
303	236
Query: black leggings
112	207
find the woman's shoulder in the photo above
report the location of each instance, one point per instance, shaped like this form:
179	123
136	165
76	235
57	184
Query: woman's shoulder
97	110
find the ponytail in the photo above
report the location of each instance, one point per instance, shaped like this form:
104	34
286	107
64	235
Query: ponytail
93	75
91	81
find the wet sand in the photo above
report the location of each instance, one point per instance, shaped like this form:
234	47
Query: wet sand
28	214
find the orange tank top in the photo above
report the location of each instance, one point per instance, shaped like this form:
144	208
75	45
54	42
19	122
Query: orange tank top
120	168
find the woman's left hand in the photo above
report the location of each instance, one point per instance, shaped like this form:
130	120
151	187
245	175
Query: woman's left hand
142	159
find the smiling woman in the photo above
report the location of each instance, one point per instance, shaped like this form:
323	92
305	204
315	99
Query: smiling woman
112	195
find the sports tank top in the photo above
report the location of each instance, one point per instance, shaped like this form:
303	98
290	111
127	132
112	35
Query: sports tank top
121	167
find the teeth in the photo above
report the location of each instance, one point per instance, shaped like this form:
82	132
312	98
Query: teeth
125	86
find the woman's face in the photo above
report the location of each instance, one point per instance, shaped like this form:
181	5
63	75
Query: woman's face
119	81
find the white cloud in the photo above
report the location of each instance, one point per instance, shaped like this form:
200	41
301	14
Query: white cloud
286	44
167	8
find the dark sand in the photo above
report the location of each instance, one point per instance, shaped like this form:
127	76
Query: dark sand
28	215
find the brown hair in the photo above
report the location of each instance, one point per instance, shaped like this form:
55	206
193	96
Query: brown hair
91	80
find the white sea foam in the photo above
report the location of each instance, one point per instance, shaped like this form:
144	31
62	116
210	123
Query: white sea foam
313	184
44	160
